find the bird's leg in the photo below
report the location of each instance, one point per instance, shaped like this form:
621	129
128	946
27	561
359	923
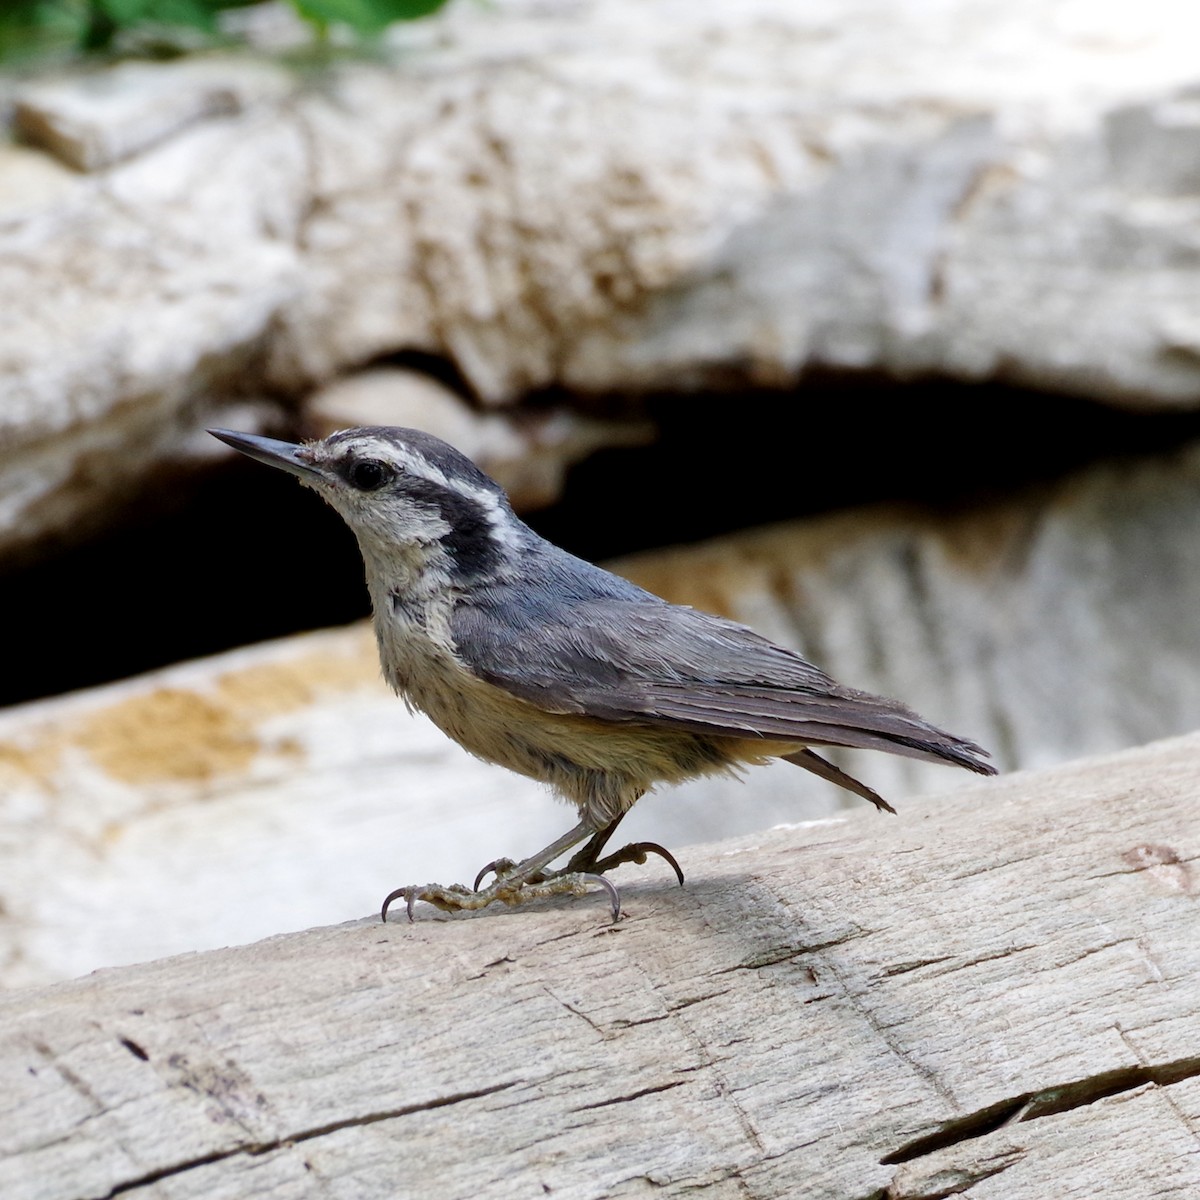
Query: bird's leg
587	857
587	860
515	883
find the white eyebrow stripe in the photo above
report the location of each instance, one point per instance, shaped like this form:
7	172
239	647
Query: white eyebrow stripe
417	464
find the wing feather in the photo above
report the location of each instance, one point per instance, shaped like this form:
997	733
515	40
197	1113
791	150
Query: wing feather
628	656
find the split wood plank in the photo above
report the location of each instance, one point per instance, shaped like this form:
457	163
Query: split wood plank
996	993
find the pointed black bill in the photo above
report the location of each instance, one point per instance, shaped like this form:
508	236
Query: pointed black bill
285	455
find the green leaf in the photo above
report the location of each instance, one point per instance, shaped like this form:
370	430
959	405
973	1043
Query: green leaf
122	12
367	16
197	13
358	14
29	28
56	27
406	10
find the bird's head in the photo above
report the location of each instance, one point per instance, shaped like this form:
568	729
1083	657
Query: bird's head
402	492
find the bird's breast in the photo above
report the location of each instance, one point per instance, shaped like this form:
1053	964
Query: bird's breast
601	765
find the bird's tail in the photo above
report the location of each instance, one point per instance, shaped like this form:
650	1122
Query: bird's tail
940	747
818	766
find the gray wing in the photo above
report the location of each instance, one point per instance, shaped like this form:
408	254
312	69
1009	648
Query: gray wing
628	656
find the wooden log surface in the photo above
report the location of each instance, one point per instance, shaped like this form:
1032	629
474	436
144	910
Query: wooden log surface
996	993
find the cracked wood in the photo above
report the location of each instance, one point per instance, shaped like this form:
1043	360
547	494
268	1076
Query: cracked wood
993	994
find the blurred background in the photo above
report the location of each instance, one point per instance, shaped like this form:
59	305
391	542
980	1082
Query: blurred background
872	324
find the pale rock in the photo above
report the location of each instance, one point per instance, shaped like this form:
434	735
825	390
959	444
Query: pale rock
29	181
135	301
607	195
966	189
97	119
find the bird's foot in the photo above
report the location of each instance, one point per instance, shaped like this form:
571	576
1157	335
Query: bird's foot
586	863
505	889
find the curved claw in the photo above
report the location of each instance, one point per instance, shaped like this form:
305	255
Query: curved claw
407	892
636	852
503	867
614	897
663	853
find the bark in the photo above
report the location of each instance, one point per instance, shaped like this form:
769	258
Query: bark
992	994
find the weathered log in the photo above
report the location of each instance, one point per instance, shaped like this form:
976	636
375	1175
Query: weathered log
995	993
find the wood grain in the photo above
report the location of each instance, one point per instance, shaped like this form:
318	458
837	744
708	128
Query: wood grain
995	993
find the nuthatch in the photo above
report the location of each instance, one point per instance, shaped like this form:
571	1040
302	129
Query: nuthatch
550	666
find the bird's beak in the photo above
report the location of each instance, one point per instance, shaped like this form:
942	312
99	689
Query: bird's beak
284	455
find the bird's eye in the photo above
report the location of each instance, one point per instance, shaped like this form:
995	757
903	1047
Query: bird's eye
368	474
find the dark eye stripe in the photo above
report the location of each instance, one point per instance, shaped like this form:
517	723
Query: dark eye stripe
470	540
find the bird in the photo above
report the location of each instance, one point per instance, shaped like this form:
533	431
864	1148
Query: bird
541	662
